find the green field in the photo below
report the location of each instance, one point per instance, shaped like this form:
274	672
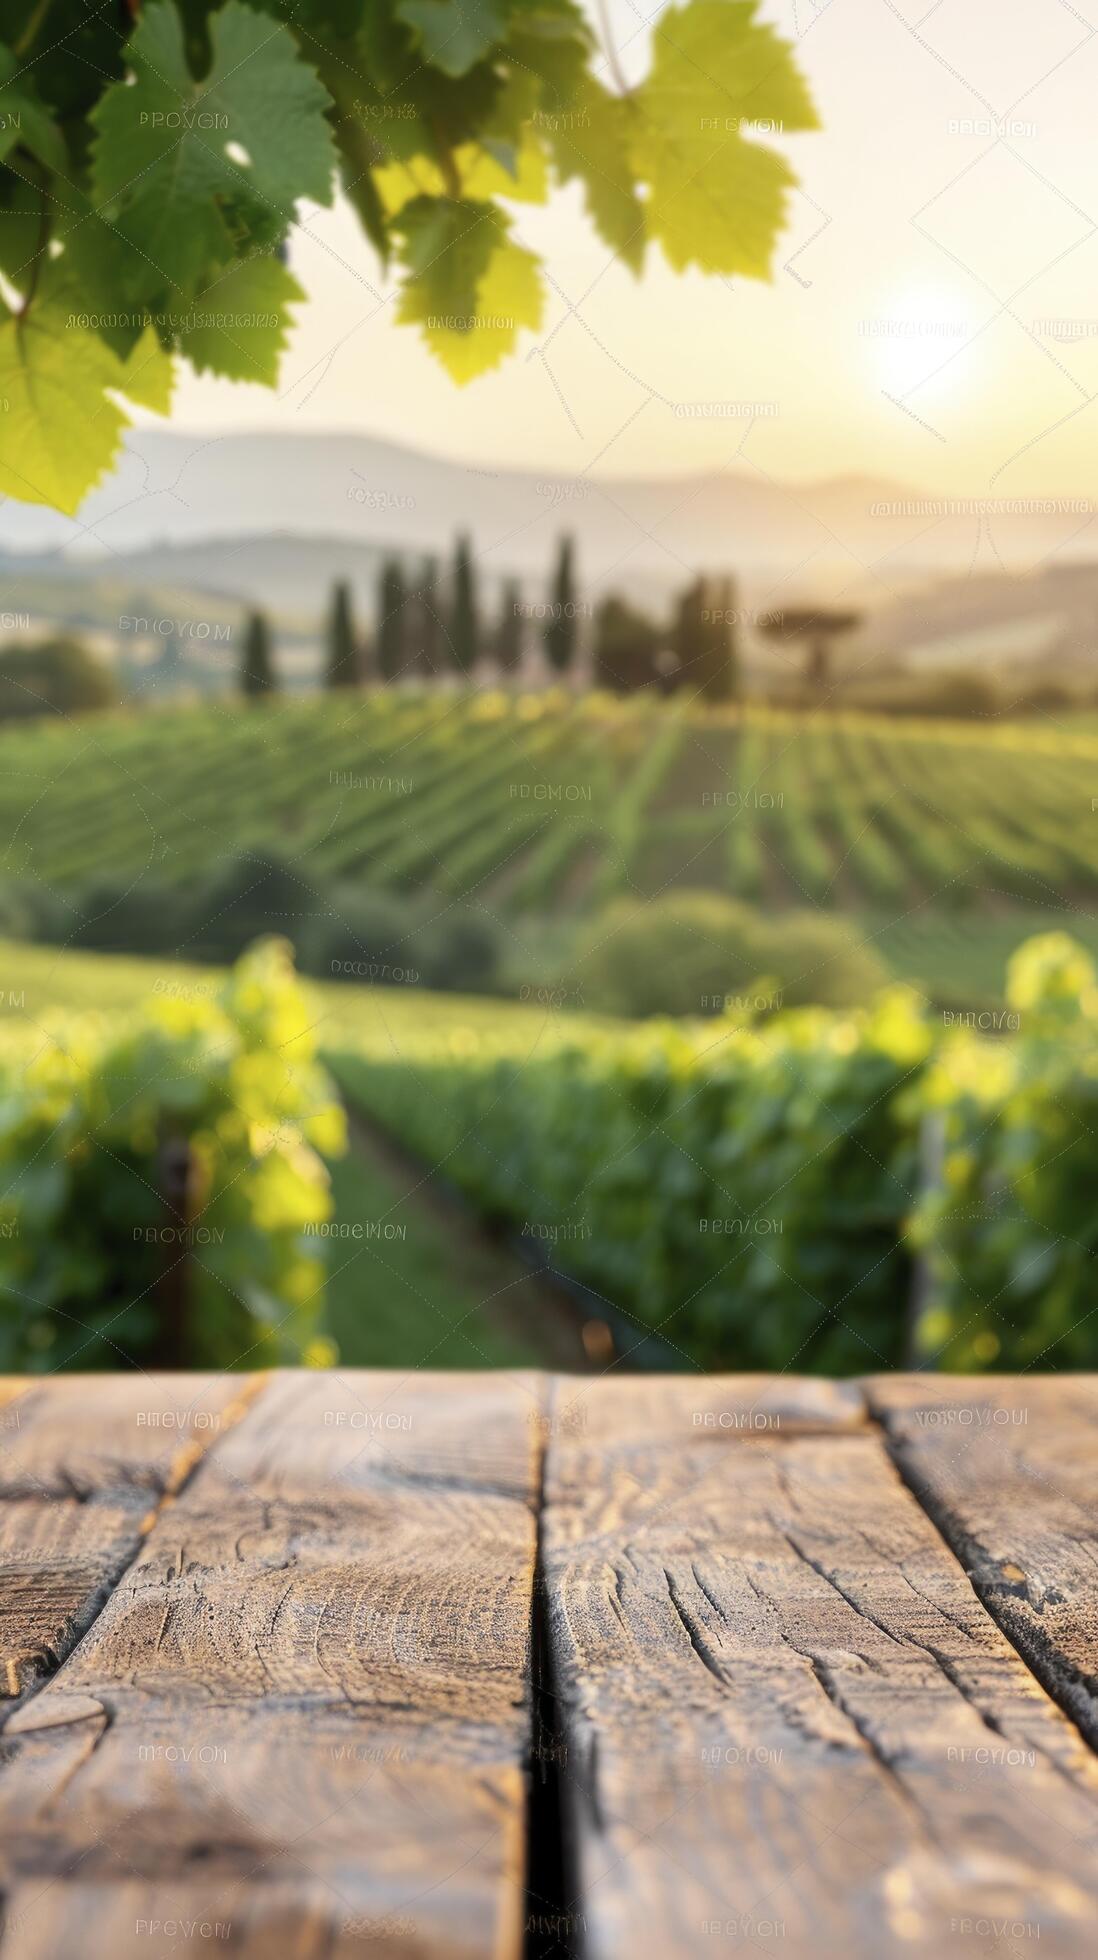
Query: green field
942	844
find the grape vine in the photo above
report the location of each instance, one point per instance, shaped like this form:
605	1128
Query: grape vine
153	159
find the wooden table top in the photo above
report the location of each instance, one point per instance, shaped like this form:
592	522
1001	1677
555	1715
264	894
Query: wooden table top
444	1666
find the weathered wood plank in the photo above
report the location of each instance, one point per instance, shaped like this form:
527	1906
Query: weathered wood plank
84	1464
303	1712
784	1714
1008	1469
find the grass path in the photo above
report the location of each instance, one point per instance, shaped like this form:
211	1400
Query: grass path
421	1285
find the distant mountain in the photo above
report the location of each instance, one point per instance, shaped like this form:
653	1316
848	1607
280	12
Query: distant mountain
255	516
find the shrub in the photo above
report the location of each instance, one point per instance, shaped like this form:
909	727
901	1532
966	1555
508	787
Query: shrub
1009	1227
33	911
57	677
687	952
342	933
133	915
361	936
159	1182
387	938
245	896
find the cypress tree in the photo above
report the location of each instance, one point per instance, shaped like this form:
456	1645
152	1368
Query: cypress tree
257	672
464	627
433	652
626	647
344	661
721	662
509	635
561	632
392	622
691	638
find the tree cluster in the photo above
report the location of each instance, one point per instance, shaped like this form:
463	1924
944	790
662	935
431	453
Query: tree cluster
429	628
694	652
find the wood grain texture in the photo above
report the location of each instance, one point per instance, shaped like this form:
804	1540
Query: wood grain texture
85	1462
303	1713
785	1717
1008	1469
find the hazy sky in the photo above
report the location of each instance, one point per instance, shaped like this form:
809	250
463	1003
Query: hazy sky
934	314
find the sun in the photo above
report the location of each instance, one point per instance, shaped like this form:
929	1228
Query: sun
914	339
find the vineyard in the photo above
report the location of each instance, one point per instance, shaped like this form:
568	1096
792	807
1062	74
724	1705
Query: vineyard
758	1194
944	844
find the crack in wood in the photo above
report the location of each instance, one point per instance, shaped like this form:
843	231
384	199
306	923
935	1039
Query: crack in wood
27	1673
549	1857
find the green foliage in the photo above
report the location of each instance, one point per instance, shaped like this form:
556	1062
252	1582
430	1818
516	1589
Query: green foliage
739	1186
686	952
759	1190
183	165
716	70
1009	1223
57	677
150	176
257	675
98	1268
62	422
340	931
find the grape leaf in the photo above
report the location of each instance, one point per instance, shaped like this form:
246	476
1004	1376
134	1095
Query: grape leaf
590	140
23	120
20	229
446	249
96	262
240	322
60	428
153	157
510	296
146	377
717	199
454	34
72	57
179	158
410	93
470	287
482	175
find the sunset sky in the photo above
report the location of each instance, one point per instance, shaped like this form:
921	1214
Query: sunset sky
933	317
